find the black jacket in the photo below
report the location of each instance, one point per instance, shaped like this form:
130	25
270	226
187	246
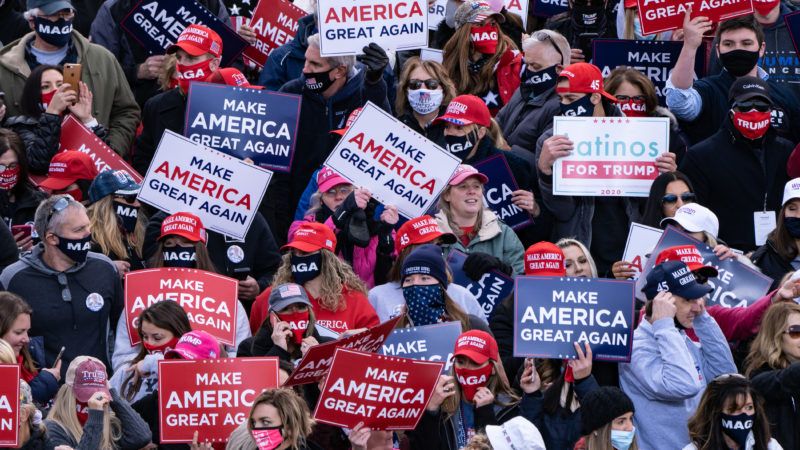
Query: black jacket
12	24
9	253
781	392
735	177
165	111
23	209
771	263
434	132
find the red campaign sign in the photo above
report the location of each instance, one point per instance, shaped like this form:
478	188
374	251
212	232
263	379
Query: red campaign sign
211	396
622	170
663	15
384	392
9	405
318	358
275	24
75	136
210	300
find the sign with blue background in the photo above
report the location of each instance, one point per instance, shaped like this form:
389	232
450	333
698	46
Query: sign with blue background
491	289
497	192
428	343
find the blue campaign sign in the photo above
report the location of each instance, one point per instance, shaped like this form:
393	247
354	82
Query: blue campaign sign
793	24
428	343
655	59
552	313
491	289
156	24
244	122
547	8
497	192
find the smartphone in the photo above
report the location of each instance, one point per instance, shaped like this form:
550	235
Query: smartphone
241	273
72	75
58	357
584	43
25	229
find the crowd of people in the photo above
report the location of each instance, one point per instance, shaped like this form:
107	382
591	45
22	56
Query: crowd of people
324	259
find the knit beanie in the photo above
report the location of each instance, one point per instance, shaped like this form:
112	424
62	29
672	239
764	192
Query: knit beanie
602	406
425	260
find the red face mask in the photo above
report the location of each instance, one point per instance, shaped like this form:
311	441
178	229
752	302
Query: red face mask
764	7
267	438
634	108
473	379
160	349
8	178
752	124
82	411
195	72
484	38
47	98
298	323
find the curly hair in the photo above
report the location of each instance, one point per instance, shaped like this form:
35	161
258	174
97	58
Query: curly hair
335	273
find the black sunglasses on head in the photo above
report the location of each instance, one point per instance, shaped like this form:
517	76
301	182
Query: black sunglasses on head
687	197
430	83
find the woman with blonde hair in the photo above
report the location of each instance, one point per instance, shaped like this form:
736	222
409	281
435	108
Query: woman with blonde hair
423	92
31	428
280	419
577	259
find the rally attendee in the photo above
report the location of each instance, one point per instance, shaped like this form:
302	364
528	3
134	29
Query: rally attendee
747	146
517	433
286	62
362	241
584	21
778	256
490	243
87	415
423	92
607	419
668	372
700	223
774	370
141	69
77	294
480	58
45	100
159	327
31	428
71	172
600	222
388	300
511	24
337	295
19	198
669	191
113	104
118	222
15	321
730	415
578	262
630	27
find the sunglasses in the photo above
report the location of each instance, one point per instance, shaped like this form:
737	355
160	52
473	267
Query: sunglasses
60	205
430	83
749	106
541	37
687	197
793	332
625	98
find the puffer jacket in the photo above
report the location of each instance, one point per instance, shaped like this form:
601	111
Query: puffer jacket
771	264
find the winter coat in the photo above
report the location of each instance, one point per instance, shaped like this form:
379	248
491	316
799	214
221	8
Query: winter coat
434	131
507	74
163	112
9	252
37	440
23	209
286	62
771	264
563	429
44	385
781	392
12	24
114	106
523	120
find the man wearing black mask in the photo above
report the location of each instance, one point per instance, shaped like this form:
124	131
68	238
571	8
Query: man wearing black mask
585	21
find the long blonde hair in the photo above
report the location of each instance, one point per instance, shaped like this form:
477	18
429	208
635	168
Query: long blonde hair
498	384
64	414
767	348
569	242
457	53
7	355
336	274
106	232
294	414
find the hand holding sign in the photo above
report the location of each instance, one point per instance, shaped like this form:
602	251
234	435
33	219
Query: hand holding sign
554	147
694	29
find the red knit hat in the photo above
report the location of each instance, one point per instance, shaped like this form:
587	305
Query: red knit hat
545	259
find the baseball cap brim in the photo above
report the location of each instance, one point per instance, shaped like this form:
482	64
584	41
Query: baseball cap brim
182	233
691	228
56	184
693	290
188	47
546	273
283	303
340	131
84	393
477	357
332	182
179	353
751	95
302	246
454	120
463	176
706	271
55	7
609	97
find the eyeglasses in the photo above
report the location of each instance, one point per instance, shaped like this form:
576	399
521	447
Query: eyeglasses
344	190
625	98
759	106
430	83
541	37
4	167
687	197
793	332
127	198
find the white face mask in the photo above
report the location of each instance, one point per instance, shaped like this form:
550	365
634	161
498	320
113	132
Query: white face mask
425	101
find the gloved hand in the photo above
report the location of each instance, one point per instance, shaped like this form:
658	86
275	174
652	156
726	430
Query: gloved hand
478	263
343	212
376	60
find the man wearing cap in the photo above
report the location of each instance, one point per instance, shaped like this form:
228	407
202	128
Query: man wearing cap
668	372
601	223
71	172
739	171
77	294
53	41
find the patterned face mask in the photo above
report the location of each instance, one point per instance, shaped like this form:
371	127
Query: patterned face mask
425	304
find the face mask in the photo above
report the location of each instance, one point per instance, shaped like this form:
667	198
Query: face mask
637	31
306	268
622	440
298	323
792	225
185	257
534	83
737	427
425	101
739	62
76	194
484	38
578	108
47	99
82	411
425	304
764	7
634	108
588	16
160	349
127	216
473	379
195	72
459	146
267	438
56	33
318	81
8	178
75	249
752	124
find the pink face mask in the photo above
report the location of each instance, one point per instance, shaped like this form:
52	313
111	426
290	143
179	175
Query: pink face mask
268	438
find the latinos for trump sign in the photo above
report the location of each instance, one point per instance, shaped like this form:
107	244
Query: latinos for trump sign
398	165
664	15
210	396
551	314
223	191
156	24
737	285
75	136
9	405
498	192
210	300
243	122
429	343
612	156
275	24
347	26
491	289
384	392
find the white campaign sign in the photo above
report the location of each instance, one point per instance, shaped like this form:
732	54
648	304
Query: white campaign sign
347	26
431	54
612	156
222	190
519	7
641	241
436	14
398	165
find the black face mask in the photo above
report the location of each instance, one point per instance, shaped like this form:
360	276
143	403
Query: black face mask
127	216
792	225
739	62
588	17
737	427
56	33
180	257
306	268
318	81
75	249
460	146
578	108
535	83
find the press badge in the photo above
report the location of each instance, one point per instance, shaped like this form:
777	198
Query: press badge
763	223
